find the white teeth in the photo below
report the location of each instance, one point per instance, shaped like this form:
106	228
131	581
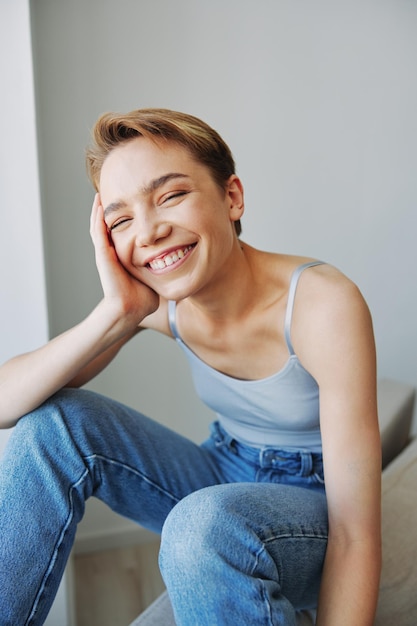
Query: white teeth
169	259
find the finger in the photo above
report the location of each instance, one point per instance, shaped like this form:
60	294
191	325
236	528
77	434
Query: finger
95	210
98	228
96	203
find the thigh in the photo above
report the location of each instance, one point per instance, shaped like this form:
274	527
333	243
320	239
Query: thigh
140	468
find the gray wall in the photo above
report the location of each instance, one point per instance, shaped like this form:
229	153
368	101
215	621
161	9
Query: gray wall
23	311
22	280
317	100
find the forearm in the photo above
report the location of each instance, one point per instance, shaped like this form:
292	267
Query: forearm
29	379
350	583
94	367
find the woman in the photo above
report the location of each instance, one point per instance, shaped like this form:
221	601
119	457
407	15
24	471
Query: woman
279	509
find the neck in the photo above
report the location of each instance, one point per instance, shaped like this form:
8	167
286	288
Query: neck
236	291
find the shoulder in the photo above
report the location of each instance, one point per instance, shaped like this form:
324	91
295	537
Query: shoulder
319	284
335	298
331	321
326	291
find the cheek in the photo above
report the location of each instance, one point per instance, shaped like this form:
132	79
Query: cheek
124	250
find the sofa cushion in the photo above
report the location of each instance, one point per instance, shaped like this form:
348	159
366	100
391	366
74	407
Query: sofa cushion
398	599
395	412
160	614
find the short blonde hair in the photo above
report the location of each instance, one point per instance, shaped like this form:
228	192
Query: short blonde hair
202	141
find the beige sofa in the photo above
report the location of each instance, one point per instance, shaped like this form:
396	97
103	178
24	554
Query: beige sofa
398	589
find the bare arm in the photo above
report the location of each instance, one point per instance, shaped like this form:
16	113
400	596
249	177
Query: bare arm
29	379
80	353
97	365
342	359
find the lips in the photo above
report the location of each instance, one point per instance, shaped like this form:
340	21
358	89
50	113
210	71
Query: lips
169	259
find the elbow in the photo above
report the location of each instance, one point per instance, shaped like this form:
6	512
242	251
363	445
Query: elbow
7	417
9	410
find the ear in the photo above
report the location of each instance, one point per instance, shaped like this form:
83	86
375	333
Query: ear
234	193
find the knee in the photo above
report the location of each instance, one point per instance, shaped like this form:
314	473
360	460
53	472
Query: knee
38	419
195	531
196	514
50	423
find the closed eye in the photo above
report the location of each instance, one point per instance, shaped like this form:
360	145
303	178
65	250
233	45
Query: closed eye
172	196
119	223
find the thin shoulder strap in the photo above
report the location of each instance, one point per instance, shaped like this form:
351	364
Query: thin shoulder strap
172	306
291	298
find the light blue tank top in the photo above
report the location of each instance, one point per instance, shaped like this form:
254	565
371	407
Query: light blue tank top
280	411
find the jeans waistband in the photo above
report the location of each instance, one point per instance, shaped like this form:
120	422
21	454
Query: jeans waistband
300	462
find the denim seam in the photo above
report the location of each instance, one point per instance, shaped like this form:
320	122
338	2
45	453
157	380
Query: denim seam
266	602
135	472
56	549
262	584
297	535
264	594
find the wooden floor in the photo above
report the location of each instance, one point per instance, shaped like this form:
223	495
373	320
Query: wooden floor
114	586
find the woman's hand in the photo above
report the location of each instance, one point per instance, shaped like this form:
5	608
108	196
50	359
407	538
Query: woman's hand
130	299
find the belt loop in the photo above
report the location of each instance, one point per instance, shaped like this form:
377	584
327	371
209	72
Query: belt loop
216	434
221	438
306	463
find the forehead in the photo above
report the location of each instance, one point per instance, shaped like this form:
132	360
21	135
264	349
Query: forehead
144	159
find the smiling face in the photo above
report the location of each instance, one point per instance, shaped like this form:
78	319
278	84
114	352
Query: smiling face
171	224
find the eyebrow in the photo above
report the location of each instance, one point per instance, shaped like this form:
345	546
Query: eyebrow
148	189
159	182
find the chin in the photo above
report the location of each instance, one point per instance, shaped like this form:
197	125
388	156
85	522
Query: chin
174	294
173	291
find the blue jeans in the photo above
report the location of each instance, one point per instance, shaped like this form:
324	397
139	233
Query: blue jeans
244	531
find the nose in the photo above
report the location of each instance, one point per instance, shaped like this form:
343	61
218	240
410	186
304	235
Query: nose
150	228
